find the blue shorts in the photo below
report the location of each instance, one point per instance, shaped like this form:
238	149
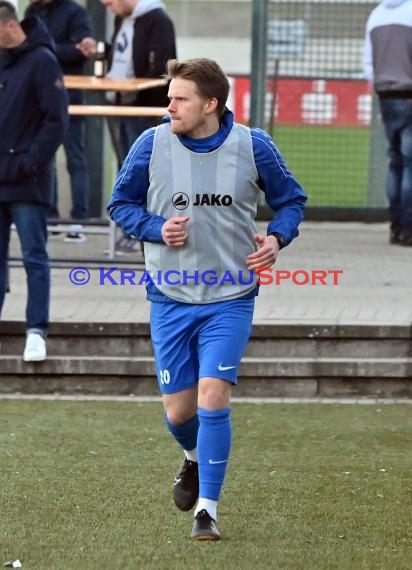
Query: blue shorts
194	341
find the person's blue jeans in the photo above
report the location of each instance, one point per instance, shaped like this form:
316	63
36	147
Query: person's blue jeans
31	224
131	128
74	148
397	119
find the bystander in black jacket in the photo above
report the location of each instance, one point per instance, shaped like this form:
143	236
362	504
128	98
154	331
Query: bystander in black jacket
33	116
154	43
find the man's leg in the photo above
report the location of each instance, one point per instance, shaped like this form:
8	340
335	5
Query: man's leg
222	341
183	424
5	221
74	146
53	210
406	186
213	445
393	125
31	225
174	344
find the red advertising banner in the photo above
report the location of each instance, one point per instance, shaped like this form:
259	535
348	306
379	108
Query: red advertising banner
309	102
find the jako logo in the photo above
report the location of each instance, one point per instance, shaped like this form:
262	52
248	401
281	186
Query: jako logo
212	200
180	201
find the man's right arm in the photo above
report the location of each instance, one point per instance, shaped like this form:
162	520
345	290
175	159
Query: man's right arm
127	205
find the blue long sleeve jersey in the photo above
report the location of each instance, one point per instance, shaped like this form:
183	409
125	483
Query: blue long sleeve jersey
283	194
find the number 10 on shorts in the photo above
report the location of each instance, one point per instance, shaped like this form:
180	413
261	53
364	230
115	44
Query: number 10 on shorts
164	376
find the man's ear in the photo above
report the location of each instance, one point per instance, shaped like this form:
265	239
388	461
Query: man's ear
211	105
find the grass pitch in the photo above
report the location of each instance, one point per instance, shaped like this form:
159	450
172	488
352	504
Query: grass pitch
331	163
86	485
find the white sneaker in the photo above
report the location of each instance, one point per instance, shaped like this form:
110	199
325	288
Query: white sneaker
35	349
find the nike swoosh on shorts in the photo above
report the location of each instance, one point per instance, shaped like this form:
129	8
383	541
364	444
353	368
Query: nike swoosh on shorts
221	367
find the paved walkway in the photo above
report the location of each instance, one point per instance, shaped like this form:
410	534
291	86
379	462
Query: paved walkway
375	287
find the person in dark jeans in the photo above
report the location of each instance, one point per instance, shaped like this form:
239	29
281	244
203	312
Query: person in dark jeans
387	63
68	23
33	123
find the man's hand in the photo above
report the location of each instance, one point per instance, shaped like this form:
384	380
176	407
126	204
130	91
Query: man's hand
266	255
173	231
87	46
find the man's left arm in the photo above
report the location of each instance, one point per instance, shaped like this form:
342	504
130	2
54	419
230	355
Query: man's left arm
283	194
160	47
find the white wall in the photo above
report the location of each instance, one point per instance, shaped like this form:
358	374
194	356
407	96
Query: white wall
232	54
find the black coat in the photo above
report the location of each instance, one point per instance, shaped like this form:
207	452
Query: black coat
68	23
33	116
154	43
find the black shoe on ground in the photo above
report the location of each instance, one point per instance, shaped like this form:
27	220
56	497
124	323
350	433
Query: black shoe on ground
394	234
204	527
186	485
52	234
75	237
405	238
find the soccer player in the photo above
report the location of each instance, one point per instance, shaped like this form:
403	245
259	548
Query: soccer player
189	189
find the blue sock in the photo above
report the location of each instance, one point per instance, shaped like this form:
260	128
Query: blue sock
213	449
185	434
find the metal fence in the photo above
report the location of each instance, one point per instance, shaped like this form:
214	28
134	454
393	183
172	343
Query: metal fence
316	102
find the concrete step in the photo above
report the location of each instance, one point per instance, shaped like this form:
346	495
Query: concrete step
281	360
143	366
294	377
297	341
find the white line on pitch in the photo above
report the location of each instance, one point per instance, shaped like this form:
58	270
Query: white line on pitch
237	400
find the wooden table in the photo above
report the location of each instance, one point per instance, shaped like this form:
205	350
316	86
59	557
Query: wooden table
90	82
117	111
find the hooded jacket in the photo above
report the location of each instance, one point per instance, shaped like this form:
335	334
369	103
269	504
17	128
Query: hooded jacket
387	57
33	116
154	43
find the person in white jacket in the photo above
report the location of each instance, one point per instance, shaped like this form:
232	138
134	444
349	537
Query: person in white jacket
387	63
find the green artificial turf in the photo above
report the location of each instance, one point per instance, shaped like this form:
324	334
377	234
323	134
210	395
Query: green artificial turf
331	163
86	485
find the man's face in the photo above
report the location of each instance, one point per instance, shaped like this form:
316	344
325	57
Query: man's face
121	8
6	35
189	112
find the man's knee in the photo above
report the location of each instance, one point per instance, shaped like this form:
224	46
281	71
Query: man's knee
181	406
214	393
